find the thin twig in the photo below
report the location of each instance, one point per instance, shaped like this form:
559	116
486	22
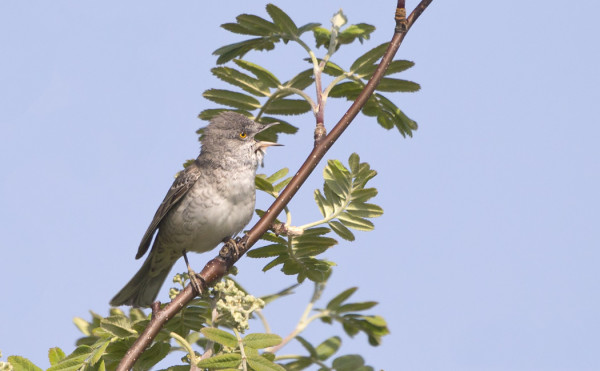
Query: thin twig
218	267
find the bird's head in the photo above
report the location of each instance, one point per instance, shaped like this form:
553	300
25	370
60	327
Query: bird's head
232	134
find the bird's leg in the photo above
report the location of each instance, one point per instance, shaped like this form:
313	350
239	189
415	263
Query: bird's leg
193	276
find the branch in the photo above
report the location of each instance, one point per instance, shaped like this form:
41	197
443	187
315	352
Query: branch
218	267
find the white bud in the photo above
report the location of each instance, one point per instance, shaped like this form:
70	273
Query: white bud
339	19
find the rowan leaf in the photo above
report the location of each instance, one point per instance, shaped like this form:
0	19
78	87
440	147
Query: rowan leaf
219	336
282	20
341	230
287	107
328	348
261	341
232	99
397	85
261	73
229	360
239	79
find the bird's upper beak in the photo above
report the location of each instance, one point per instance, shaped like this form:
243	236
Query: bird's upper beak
264	144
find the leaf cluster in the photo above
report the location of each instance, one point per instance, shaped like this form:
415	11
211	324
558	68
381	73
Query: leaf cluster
240	350
345	313
260	95
387	113
281	28
343	206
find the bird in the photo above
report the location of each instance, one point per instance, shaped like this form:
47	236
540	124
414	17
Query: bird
210	202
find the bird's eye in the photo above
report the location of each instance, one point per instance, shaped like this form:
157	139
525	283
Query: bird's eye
243	135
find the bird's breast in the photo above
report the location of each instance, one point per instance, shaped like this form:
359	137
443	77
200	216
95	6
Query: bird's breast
218	206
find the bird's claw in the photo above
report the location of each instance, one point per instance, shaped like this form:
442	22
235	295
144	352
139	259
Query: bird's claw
194	277
230	249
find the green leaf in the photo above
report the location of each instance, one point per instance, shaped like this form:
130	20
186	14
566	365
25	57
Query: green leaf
362	195
308	346
194	317
373	326
55	355
307	27
404	124
258	24
278	175
261	341
287	107
260	72
341	230
267	251
237	78
98	352
319	271
275	262
19	363
327	348
260	363
279	186
394	67
300	364
239	49
324	205
282	20
364	210
287	291
367	59
177	368
354	222
242	30
74	360
136	314
353	162
230	360
119	326
351	362
337	178
232	99
268	355
361	31
263	184
356	307
82	325
153	355
397	85
209	114
317	231
349	90
322	36
271	237
220	336
340	298
302	80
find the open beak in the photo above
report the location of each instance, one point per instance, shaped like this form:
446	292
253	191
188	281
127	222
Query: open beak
264	144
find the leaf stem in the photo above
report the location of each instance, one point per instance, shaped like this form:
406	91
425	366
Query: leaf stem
242	352
304	321
187	346
263	319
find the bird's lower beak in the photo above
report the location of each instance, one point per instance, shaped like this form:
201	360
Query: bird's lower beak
263	144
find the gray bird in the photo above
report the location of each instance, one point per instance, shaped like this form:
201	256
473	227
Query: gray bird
211	201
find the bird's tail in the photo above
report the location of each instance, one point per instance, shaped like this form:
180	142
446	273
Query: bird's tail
142	289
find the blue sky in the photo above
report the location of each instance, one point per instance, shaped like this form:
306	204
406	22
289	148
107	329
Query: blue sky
486	257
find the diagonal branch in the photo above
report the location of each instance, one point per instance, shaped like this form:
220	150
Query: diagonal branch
218	267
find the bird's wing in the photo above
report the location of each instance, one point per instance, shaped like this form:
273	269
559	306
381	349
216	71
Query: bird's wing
180	187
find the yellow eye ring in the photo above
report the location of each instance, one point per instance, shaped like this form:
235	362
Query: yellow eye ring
243	135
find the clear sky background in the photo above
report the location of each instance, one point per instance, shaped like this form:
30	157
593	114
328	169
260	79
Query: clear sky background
487	256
